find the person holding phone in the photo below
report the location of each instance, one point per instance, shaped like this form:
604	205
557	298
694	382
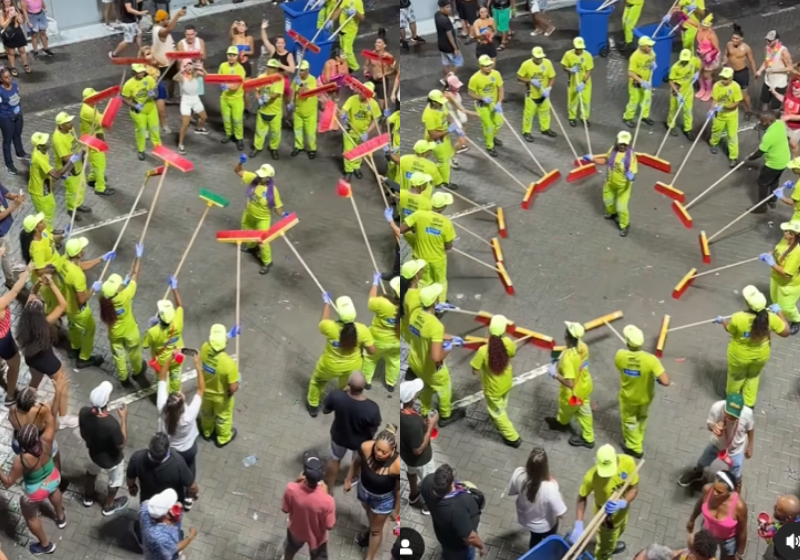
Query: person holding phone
192	88
160	518
221	382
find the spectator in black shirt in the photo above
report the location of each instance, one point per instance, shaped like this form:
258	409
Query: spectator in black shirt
355	420
446	38
415	441
455	515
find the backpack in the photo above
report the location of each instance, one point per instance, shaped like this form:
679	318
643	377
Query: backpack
471	489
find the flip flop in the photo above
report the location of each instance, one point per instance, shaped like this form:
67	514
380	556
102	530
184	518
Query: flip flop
14	72
27	69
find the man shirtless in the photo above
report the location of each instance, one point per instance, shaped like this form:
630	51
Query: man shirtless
739	56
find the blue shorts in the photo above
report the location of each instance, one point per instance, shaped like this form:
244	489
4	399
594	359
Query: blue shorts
38	22
162	91
379	504
449	59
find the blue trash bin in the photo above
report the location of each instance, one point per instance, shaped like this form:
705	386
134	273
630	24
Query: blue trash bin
593	25
317	61
303	22
552	548
662	48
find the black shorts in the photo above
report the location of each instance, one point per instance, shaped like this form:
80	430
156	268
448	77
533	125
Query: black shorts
768	99
8	346
380	93
742	77
467	11
293	546
489	49
45	362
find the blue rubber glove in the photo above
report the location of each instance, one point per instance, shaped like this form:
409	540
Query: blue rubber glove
444	307
138	108
290	107
109	256
326	297
681	99
588	158
575	69
388	214
536	83
343	118
262	100
152	94
298	80
767	258
646	86
487	100
630	176
457	341
223	87
775	308
139	250
616	505
17	110
452	128
498	108
695	77
75	158
551	371
127	280
285	215
329	25
711	114
665	19
788	186
580	87
235	331
242	158
365	137
386	149
447	345
719	320
350	12
654	65
67	229
576	533
546	92
387	113
778	192
173	282
153	321
97	286
376	278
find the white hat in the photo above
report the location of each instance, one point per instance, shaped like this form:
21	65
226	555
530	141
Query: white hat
159	505
100	395
410	389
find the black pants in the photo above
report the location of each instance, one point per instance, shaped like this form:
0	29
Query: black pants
768	180
190	456
536	538
396	269
11	128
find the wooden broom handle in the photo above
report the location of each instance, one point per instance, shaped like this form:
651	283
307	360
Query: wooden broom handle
713	237
564	132
153	205
585	119
648	98
465	199
368	158
615	331
366	240
238	298
660	25
705	192
697	324
473	234
691	149
125	226
460	252
497	163
740	263
189	246
524	145
308	270
322	27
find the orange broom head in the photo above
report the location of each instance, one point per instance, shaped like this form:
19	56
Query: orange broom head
183	55
682	213
240	236
262	81
670	192
157	171
704	248
355	85
102	95
326	121
305	43
223	79
662	336
496	249
94	143
128	61
344	189
505	278
654	162
173	159
280	228
600	321
550	178
366	148
528	198
681	287
537	339
386	59
317	91
111	112
501	223
581	172
474	342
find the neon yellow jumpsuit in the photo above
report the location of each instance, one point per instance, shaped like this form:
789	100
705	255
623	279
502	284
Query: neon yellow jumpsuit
360	115
630	17
261	202
305	116
348	34
40	186
585	64
387	341
603	488
535	102
682	75
65	144
497	388
690	26
231	102
639	99
426	329
638	372
487	86
746	357
407	204
90	124
146	120
727	120
334	363
617	188
164	341
786	291
436	120
410	304
325	11
432	231
216	410
123	336
412	163
79	317
393	122
268	119
574	364
43	253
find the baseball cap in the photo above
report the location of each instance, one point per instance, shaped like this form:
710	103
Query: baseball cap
707	20
579	43
395	284
436	96
443	3
313	468
138	68
754	298
575	329
498	325
370	86
411	268
234	50
422	146
791	226
772	35
441	199
418	178
161	15
633	336
273	63
734	404
218	337
429	294
30	222
305	65
111	286
159	505
485	60
345	309
88	92
686	55
410	389
75	246
63	117
101	394
166	311
39	138
266	171
726	73
645	41
454	82
623	137
794	164
606	461
537	52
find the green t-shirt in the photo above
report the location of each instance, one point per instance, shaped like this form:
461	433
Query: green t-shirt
138	90
274	95
234	91
393	123
544	72
64	145
123	306
435	120
360	114
796	198
409	202
682	74
43	252
583	61
790	264
615	172
336	359
412	163
641	64
90	119
775	145
726	94
741	347
486	85
164	341
352	26
258	205
433	232
40	183
384	323
425	330
219	371
574	364
638	372
309	105
494	384
410	304
74	281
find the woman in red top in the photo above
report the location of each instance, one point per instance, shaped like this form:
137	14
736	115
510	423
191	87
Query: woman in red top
791	113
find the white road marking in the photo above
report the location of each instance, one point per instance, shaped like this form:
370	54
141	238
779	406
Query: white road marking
518	380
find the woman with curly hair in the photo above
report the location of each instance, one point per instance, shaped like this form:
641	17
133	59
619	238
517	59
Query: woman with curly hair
492	362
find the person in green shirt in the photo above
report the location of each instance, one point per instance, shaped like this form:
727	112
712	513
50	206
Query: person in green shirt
682	77
270	109
430	347
434	235
350	14
640	89
416	198
486	88
610	472
385	330
750	344
726	95
65	147
492	362
639	371
231	102
579	63
263	199
418	162
79	313
359	116
165	336
410	276
42	175
538	75
571	370
693	11
139	94
116	311
38	245
221	376
784	283
90	124
788	193
622	165
346	342
305	112
436	119
777	155
630	17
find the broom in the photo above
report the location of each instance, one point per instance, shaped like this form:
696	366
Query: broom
326	121
594	323
537	339
344	190
648	99
663	20
548	178
304	43
89	142
261	82
669	190
481	239
499	269
173	57
368	148
615	331
498	217
689	278
683	211
662	333
368	159
706	241
327	19
583	171
484	318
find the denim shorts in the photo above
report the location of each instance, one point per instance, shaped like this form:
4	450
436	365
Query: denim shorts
450	59
379	504
38	21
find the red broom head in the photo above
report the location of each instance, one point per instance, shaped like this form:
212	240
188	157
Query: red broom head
173	159
240	236
681	287
102	95
550	178
127	61
94	143
344	189
528	198
386	59
183	55
501	223
496	249
280	227
537	339
303	42
654	162
262	81
670	192
484	318
581	172
315	92
370	146
156	172
355	85
326	120
223	79
704	248
110	114
682	213
474	342
662	336
505	278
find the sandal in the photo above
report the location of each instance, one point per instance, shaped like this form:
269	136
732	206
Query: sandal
27	69
14	72
502	47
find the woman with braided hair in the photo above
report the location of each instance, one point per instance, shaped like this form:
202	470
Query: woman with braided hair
27	410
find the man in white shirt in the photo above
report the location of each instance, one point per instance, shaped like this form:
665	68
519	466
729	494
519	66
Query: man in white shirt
776	67
164	43
192	43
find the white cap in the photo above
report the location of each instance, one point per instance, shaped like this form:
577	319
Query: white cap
410	389
159	505
100	395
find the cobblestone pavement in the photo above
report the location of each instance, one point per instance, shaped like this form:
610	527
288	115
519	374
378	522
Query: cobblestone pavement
567	263
238	515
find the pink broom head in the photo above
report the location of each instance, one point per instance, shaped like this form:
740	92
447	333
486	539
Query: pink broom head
303	42
370	146
94	143
111	112
385	59
128	60
241	236
183	55
327	122
262	81
173	159
107	93
357	86
315	92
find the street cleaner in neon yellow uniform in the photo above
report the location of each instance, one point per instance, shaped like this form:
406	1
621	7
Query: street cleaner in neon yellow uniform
784	282
270	109
727	95
492	362
43	252
346	342
79	314
305	112
436	119
359	116
65	146
622	165
690	13
352	10
391	151
788	193
90	124
571	370
750	344
610	473
538	75
630	17
116	311
165	337
410	278
418	162
231	102
430	347
640	89
486	88
42	175
385	330
221	376
434	235
639	371
579	63
416	198
140	93
682	77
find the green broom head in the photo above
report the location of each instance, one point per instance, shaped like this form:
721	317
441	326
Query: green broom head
213	199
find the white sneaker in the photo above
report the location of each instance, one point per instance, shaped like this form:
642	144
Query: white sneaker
181	149
68	421
166	130
110	27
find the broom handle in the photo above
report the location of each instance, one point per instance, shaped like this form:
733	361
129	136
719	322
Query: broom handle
162	76
308	270
327	19
648	98
125	226
702	194
238	295
348	20
153	205
671	126
465	199
660	25
691	149
368	158
189	246
615	331
710	239
366	240
588	532
564	132
463	312
697	324
740	263
460	252
473	234
524	145
494	161
585	124
473	210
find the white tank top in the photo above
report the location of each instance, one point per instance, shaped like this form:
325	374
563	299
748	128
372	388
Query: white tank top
776	63
161	48
196	47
